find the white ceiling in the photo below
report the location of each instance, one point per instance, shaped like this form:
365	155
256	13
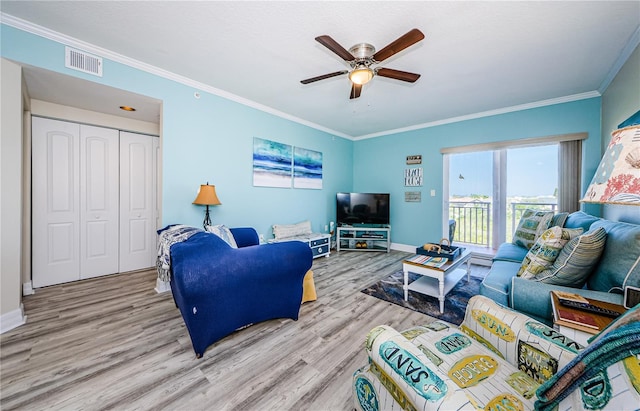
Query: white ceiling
476	57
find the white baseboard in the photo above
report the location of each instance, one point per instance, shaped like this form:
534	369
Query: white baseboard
485	261
162	286
27	289
12	319
403	247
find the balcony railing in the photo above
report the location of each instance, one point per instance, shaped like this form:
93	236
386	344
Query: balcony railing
473	220
474	223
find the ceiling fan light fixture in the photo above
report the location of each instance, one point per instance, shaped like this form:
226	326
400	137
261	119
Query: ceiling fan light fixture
361	75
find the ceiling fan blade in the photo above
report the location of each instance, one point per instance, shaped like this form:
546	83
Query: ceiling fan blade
355	90
400	44
333	45
397	74
324	76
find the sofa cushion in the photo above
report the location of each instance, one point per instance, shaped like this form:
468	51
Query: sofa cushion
576	260
580	219
223	232
532	224
546	250
497	283
532	297
510	252
281	231
620	259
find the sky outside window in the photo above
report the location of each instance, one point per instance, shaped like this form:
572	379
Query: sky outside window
531	172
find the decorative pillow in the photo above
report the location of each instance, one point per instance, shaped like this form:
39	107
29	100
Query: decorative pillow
558	219
291	230
531	225
546	249
576	260
223	232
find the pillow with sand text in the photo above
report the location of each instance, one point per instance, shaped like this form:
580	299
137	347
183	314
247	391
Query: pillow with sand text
546	249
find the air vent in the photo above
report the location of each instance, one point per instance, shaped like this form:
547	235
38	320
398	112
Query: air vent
81	61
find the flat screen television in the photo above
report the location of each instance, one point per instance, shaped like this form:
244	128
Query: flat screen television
362	208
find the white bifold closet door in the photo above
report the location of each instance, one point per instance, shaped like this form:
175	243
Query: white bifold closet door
137	201
94	201
74	201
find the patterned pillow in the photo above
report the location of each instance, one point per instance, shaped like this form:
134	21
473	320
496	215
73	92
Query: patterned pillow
223	232
576	260
559	219
531	225
291	230
546	249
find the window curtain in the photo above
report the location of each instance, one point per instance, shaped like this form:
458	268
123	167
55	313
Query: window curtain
569	176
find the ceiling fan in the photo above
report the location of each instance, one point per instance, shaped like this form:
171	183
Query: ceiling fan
363	56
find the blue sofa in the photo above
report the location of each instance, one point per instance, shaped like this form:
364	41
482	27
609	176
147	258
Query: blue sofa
617	267
219	289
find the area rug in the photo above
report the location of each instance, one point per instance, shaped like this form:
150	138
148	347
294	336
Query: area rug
390	289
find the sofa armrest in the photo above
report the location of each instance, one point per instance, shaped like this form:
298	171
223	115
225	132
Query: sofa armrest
245	236
518	338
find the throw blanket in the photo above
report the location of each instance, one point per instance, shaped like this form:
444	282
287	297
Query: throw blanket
168	237
619	341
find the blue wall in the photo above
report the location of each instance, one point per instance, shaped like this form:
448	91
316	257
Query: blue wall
416	223
211	139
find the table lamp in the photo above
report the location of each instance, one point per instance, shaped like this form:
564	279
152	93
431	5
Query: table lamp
207	196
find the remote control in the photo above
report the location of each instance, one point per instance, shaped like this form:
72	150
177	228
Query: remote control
589	307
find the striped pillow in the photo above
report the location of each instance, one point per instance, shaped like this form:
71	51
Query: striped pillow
576	260
546	250
559	219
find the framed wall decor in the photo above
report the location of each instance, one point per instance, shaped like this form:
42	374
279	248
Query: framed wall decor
414	159
307	168
413	177
272	163
413	196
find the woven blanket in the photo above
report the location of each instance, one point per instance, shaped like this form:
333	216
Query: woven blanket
619	341
168	237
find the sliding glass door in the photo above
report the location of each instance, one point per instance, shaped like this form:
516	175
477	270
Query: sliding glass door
489	190
532	182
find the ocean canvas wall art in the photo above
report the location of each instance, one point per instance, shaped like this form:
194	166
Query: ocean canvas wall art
307	168
272	163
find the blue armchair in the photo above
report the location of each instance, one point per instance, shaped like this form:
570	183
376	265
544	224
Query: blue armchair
219	289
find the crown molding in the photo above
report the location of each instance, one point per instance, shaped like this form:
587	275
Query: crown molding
44	32
520	107
626	52
73	42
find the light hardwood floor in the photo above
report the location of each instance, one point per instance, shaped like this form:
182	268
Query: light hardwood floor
114	343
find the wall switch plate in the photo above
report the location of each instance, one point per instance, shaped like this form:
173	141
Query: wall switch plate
433	193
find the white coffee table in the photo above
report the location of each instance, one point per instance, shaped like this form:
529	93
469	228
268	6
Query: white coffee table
436	282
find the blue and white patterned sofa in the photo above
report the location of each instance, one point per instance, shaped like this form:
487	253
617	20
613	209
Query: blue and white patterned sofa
499	359
617	266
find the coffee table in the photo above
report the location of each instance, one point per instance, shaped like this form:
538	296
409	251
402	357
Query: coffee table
436	282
